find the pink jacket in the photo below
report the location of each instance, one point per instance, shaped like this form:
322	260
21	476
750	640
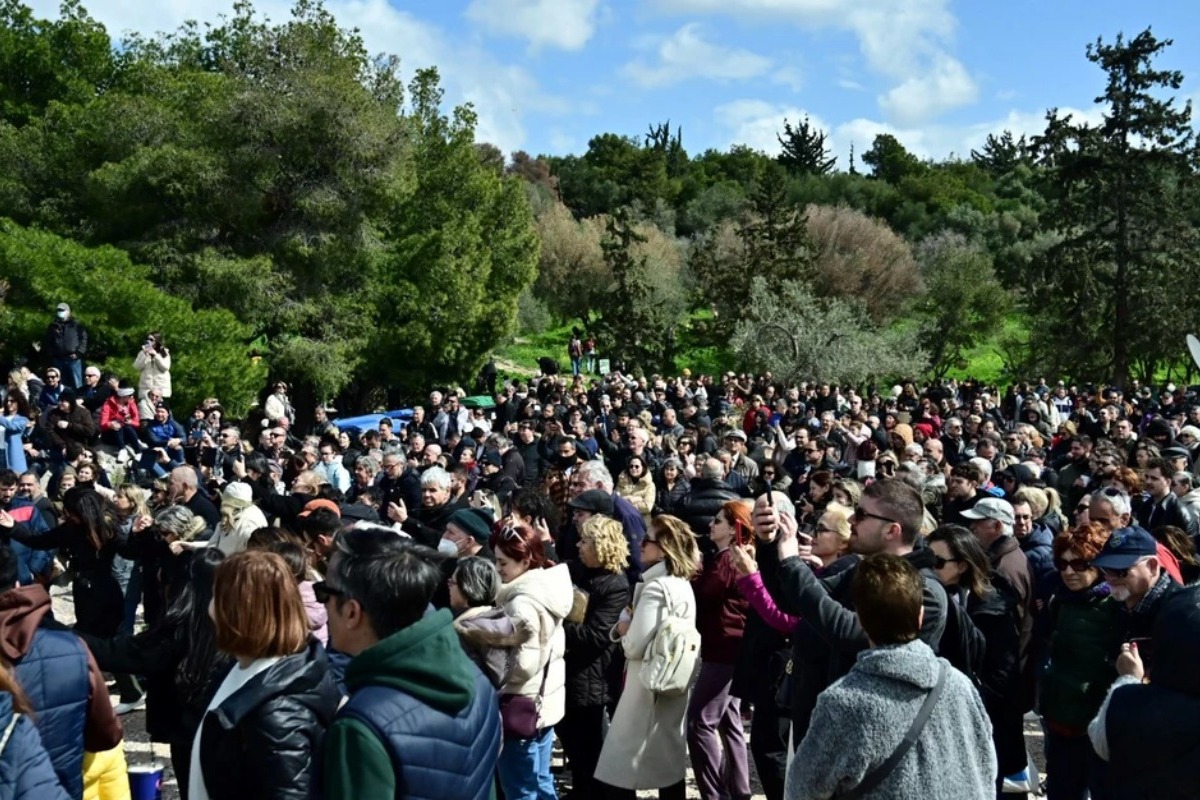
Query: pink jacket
751	587
318	617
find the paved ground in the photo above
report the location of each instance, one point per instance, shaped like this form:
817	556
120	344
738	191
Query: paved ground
140	751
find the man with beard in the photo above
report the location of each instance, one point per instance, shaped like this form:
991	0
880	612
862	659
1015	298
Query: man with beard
1130	564
1075	477
888	520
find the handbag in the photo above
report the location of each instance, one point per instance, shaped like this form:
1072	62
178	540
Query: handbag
519	714
875	777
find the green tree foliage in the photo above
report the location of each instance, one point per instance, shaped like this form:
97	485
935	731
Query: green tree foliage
275	170
1118	197
963	304
797	336
889	160
804	151
210	356
1001	154
573	275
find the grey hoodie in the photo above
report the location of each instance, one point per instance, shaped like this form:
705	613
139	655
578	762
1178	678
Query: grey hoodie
861	718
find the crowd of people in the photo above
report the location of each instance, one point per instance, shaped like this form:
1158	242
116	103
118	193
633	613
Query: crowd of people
849	594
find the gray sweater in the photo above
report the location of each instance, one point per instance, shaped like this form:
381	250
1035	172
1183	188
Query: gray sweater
861	718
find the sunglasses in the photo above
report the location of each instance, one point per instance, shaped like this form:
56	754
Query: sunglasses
861	514
647	540
1076	564
1116	573
324	592
940	563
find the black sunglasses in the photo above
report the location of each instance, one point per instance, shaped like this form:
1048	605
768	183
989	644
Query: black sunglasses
324	592
861	514
1076	564
940	563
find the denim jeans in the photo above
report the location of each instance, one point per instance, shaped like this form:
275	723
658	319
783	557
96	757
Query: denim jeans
71	370
524	767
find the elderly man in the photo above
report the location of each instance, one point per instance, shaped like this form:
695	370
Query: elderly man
992	523
592	475
1130	564
427	524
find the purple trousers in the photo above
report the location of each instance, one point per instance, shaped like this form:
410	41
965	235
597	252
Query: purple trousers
716	741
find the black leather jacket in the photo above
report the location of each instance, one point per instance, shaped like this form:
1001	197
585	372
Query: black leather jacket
262	743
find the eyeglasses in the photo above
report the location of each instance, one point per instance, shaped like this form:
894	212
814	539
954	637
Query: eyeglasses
861	514
940	563
647	540
1118	573
1075	564
324	592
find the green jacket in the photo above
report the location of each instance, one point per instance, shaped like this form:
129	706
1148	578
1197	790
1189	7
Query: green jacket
424	662
1087	630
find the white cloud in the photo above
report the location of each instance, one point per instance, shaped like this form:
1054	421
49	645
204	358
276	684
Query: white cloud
565	24
685	55
905	41
926	96
502	94
790	77
757	123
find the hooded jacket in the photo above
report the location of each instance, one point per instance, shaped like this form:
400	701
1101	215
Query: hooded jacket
490	639
860	720
62	681
422	721
538	602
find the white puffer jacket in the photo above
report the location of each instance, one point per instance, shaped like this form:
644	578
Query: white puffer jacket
537	602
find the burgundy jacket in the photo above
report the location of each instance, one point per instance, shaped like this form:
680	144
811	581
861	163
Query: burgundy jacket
720	610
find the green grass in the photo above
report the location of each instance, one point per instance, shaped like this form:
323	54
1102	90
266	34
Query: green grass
985	362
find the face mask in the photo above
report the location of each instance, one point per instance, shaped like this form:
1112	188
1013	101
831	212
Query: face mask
447	547
62	315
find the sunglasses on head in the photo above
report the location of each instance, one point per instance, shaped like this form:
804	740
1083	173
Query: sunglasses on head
1076	564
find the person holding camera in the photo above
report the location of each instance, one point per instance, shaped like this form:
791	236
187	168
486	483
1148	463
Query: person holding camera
153	364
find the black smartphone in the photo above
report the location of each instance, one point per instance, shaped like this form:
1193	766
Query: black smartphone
769	494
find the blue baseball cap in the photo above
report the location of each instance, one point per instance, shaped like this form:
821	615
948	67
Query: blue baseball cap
1125	548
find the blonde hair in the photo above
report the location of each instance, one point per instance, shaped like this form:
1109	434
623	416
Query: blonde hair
608	540
681	554
1035	498
842	515
136	496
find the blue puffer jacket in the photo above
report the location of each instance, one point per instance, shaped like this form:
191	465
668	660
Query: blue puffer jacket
54	675
1038	548
422	722
29	562
25	769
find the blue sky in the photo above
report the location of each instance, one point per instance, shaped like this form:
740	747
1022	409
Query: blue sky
546	75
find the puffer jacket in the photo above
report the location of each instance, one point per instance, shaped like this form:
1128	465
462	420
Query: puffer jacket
490	639
81	426
538	602
639	493
1038	550
702	503
720	610
262	742
154	372
25	769
590	651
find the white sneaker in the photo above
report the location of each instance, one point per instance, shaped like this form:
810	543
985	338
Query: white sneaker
125	708
123	455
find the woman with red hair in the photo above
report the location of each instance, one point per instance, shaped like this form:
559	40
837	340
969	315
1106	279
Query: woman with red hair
716	741
537	596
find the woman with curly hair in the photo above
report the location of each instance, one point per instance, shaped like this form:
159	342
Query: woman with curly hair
1085	630
599	579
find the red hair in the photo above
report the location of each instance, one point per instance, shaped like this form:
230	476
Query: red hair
520	543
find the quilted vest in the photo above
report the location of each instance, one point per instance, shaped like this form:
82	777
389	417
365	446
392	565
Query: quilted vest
435	756
54	674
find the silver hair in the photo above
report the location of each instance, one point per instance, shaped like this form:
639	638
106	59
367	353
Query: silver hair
369	463
478	581
1117	500
1185	478
595	475
713	469
436	476
178	520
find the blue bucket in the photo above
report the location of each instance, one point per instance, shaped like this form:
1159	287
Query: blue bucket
145	782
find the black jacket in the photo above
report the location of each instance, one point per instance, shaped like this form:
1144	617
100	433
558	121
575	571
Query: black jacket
66	339
532	461
263	741
701	504
1169	511
589	648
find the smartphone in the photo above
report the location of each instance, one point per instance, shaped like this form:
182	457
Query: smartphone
769	494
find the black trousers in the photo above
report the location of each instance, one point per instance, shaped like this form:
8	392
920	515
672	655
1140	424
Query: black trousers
768	746
581	733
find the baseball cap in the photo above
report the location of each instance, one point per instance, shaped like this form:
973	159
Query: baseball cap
1125	548
991	508
736	434
595	501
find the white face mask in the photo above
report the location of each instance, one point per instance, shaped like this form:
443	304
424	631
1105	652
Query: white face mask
448	547
62	315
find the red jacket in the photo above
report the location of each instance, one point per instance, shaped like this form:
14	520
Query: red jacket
720	610
118	409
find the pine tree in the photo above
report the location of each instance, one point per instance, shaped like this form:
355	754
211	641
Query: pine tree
804	151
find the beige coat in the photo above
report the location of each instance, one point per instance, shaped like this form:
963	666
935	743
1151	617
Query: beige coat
640	494
646	746
537	602
155	373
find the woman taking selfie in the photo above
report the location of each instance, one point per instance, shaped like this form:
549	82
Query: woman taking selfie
258	736
645	746
153	364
